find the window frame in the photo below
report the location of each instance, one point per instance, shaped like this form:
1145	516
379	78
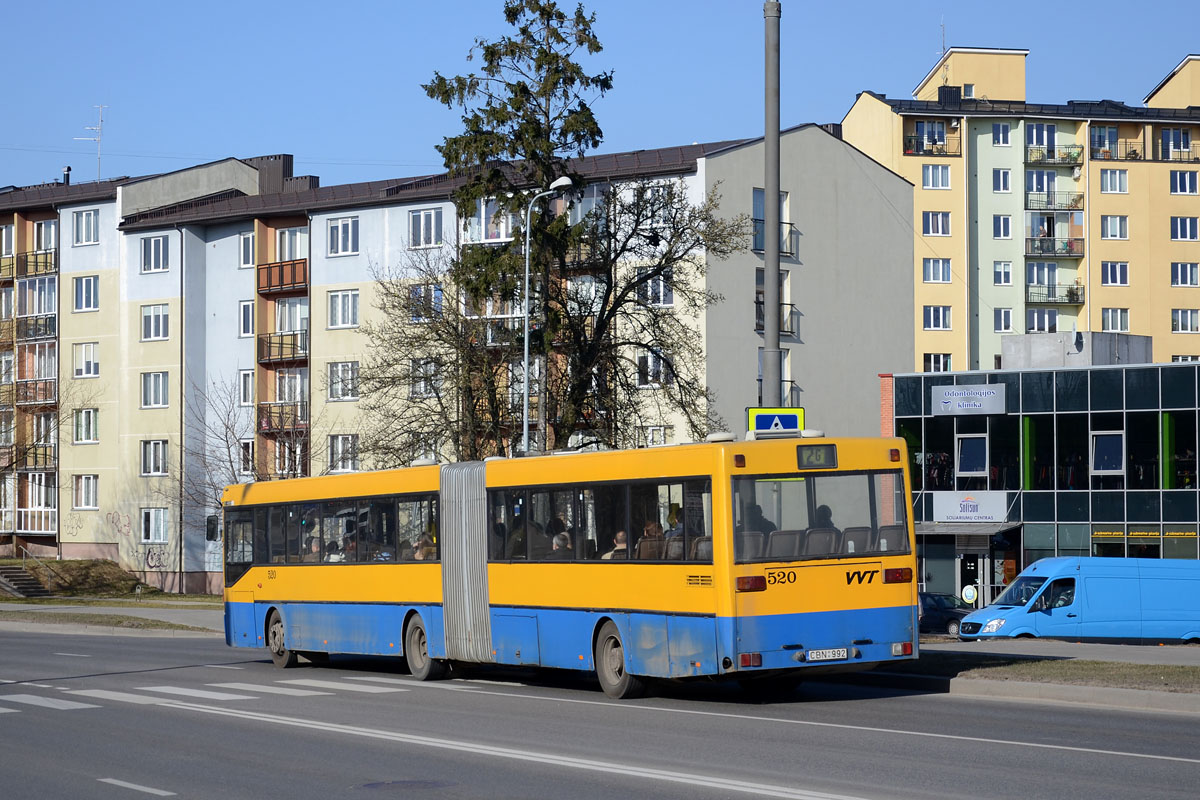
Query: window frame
937	362
1001	134
1002	275
1001	180
154	254
245	319
86	487
342	381
154	386
1178	182
342	237
1002	320
1190	315
156	322
154	456
1178	272
1114	269
152	533
246	242
86	360
245	387
422	221
341	445
932	268
1001	226
1185	229
336	299
1095	438
959	439
85	422
1109	315
935	223
938	318
87	288
1122	176
935	177
87	222
1122	224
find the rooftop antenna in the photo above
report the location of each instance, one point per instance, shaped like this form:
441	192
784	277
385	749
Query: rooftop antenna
941	55
98	129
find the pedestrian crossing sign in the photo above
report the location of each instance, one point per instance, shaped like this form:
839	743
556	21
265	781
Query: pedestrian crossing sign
775	420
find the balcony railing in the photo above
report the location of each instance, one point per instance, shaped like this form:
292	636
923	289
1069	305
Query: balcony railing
283	276
42	262
787	313
1063	154
1067	294
500	330
1050	247
918	146
787	393
39	457
39	521
1053	201
275	348
44	326
282	417
37	392
1119	151
786	237
1175	154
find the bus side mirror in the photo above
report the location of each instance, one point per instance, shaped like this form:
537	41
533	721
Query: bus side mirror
212	528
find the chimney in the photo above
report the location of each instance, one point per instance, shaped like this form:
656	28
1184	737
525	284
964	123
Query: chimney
66	176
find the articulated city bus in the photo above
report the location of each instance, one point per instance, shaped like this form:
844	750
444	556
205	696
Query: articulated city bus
776	558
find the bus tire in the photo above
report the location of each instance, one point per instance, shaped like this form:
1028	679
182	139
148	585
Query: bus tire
277	643
416	651
610	665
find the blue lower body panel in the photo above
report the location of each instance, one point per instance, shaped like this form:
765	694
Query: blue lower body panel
365	629
783	640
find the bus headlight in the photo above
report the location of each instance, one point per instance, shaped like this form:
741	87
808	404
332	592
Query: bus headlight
993	626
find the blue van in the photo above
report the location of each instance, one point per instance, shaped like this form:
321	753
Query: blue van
1131	600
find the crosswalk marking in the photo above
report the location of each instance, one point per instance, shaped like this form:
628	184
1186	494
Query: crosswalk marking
201	693
124	697
406	681
45	702
254	687
7	710
347	687
221	666
137	787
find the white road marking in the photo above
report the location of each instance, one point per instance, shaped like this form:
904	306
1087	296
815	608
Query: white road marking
254	687
8	710
137	787
4	681
221	666
346	687
124	697
45	702
200	693
479	748
72	655
37	685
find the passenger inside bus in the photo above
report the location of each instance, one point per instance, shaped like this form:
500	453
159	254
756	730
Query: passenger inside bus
651	545
756	521
619	549
560	548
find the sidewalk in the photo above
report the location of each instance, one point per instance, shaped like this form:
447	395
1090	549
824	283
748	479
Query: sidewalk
211	618
1187	655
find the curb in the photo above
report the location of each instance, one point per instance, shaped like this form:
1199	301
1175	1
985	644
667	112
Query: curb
104	630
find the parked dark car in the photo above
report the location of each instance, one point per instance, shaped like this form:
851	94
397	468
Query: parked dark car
940	613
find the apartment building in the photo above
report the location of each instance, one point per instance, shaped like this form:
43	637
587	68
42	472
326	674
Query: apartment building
1034	217
161	336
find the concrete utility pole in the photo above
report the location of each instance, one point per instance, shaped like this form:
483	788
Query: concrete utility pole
772	378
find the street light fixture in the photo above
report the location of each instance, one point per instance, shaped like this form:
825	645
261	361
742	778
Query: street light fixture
560	184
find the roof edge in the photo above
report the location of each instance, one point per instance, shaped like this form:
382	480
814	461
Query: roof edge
1171	74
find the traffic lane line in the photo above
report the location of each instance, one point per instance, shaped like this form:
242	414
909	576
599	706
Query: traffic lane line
137	787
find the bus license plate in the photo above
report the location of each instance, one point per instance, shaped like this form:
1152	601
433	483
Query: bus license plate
835	654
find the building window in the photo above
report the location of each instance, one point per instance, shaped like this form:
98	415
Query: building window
935	176
1183	229
291	458
935	223
292	244
937	362
87	293
246	452
1000	134
1185	320
1108	453
1175	142
87	495
1184	273
343	309
1114	273
654	369
87	226
87	360
343	236
972	461
343	380
426	227
1001	226
426	302
1114	320
1183	182
1002	317
1185	359
1001	180
343	452
1114	227
246	387
937	318
154	254
154	390
45	235
1041	320
936	270
653	435
1114	181
655	289
246	250
87	425
424	378
155	323
245	318
1002	273
7	365
291	314
154	525
1041	273
490	223
37	296
6	240
154	457
969	90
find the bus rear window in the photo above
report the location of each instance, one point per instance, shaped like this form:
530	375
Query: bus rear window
832	515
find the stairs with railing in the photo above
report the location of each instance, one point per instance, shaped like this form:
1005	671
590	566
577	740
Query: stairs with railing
17	582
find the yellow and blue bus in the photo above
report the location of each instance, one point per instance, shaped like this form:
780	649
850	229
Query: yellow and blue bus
776	558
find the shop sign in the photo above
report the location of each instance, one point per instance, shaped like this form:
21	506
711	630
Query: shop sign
1143	532
983	398
970	506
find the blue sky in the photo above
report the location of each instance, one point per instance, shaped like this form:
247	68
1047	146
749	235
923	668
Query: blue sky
338	84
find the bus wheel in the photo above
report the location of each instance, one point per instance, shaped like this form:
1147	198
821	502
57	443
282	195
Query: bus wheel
280	654
610	665
416	650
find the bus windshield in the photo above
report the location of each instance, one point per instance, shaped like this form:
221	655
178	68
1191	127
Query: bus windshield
1021	591
828	515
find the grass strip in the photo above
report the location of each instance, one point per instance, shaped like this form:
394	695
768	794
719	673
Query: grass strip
202	604
96	621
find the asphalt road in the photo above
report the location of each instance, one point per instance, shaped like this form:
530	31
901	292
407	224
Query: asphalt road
135	717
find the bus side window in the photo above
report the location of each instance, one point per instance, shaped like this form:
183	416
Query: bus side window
275	534
262	554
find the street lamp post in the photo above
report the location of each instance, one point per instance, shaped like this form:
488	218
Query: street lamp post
559	185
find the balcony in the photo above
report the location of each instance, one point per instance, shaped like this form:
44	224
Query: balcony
283	276
7	328
918	146
496	331
278	348
37	392
787	315
1132	150
1053	201
43	326
1049	247
1067	155
282	417
786	238
42	262
37	521
1063	294
1175	154
38	457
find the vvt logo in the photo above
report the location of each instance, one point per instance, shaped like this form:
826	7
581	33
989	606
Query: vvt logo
861	576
